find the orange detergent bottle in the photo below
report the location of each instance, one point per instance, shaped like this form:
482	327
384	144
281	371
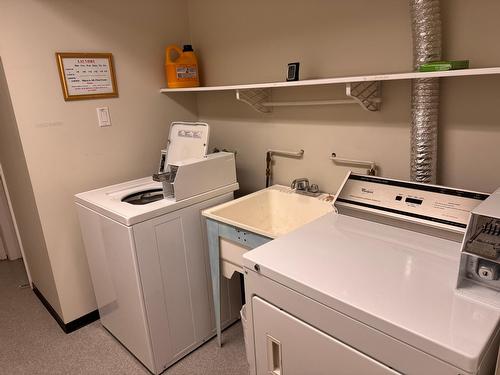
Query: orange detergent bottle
183	71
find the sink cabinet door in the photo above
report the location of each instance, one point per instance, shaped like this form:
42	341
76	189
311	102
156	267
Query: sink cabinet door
285	345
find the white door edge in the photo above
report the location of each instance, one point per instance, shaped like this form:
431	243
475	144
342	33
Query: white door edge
16	229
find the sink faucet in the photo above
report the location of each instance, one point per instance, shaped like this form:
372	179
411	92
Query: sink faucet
301	186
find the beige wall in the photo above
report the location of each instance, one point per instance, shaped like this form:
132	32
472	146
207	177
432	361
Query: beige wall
65	150
237	41
252	41
23	201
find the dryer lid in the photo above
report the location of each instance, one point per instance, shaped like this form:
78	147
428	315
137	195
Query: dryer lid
187	140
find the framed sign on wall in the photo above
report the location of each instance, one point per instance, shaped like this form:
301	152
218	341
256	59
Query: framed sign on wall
87	75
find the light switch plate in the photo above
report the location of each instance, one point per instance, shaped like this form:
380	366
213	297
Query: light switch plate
103	116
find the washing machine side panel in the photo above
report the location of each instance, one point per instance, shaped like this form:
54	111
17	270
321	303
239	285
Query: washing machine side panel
163	273
172	265
113	268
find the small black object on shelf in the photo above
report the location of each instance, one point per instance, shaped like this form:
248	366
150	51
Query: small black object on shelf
292	74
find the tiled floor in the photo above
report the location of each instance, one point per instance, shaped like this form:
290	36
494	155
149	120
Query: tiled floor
31	342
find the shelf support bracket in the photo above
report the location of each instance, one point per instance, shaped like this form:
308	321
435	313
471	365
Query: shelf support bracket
255	98
367	94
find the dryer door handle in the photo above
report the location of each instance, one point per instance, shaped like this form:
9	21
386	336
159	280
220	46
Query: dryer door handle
274	363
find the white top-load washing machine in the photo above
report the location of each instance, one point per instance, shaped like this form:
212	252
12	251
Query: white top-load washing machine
370	289
148	256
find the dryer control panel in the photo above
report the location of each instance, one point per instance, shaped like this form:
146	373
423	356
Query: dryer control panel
407	203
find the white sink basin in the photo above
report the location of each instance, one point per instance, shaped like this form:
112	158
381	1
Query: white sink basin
271	212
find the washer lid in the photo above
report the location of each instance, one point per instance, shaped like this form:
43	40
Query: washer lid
187	140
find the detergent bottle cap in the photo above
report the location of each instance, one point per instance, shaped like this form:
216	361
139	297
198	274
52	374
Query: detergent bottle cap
187	48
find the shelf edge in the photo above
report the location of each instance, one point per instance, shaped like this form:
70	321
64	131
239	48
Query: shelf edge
347	79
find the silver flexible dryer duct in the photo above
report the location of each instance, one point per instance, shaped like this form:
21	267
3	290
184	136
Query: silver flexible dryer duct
426	34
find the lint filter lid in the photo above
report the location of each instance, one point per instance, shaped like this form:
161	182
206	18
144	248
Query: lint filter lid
187	140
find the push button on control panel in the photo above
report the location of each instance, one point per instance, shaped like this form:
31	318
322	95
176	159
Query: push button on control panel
399	197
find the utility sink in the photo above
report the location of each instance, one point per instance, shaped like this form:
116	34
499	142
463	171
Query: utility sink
238	226
271	212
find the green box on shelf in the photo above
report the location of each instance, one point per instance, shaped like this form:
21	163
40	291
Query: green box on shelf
437	66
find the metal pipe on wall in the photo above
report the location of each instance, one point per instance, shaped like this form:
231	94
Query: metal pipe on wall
426	35
269	161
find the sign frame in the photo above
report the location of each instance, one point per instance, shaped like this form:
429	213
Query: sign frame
66	85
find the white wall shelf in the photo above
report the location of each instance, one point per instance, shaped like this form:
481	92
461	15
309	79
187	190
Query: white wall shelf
258	95
347	79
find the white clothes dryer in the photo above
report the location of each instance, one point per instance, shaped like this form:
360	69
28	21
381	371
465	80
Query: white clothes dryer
370	289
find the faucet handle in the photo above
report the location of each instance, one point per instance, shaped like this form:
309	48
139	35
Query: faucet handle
314	188
300	184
